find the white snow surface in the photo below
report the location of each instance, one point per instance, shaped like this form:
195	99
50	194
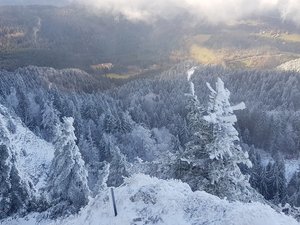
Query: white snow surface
33	154
293	65
145	200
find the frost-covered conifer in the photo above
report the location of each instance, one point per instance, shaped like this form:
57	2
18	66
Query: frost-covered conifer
103	177
278	180
16	193
224	151
117	160
110	123
199	128
67	183
49	120
192	164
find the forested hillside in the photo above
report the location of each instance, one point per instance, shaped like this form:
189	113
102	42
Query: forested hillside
177	124
149	112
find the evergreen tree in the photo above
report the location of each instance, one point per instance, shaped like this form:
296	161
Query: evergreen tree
293	190
87	147
126	123
110	123
5	181
258	174
16	194
192	164
183	132
278	184
224	151
49	120
100	173
256	168
199	129
117	160
269	181
12	98
263	187
67	184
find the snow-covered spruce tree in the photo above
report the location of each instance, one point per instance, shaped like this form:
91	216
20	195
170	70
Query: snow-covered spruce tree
293	190
164	151
102	177
118	163
257	172
199	128
225	152
87	147
67	185
95	167
90	156
16	194
49	120
191	167
110	122
277	181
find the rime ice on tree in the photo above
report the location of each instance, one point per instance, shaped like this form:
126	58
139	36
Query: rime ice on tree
224	151
68	177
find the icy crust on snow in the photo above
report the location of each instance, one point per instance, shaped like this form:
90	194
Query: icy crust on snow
145	200
33	155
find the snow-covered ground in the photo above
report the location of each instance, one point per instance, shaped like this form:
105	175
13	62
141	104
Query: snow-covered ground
33	154
145	200
293	65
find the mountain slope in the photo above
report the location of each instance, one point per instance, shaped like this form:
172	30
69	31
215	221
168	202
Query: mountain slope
33	155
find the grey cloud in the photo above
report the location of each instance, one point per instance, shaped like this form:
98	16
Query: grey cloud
212	11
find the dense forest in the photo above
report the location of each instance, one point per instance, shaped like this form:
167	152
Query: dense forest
166	126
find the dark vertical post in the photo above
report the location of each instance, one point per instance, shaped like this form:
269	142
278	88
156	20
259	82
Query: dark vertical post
114	201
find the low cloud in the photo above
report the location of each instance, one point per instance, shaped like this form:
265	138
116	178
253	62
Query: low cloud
35	2
211	11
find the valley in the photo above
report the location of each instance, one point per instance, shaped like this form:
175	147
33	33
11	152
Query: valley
45	36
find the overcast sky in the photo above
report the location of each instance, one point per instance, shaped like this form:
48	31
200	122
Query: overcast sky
34	2
212	11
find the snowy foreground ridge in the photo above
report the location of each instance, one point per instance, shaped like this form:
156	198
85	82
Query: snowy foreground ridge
145	200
